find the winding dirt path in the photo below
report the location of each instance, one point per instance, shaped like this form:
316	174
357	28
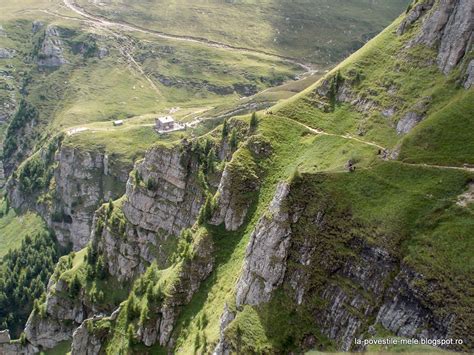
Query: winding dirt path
350	137
70	4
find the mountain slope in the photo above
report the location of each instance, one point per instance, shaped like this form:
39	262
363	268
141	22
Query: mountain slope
279	27
345	212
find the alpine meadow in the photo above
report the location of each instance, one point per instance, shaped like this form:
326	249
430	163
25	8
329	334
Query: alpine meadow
236	177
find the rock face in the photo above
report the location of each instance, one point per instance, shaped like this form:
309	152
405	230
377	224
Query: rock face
4	336
447	27
17	349
239	182
172	172
406	314
84	343
82	180
408	122
331	270
267	251
50	54
62	315
469	82
194	271
166	200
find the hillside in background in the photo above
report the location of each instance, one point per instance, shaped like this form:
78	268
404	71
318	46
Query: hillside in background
342	212
319	31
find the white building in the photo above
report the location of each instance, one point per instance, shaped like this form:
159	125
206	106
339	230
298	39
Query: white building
164	123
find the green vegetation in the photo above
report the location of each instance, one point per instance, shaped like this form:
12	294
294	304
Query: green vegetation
14	228
326	142
432	143
25	273
62	348
315	31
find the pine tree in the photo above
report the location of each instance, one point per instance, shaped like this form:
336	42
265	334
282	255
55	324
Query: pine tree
225	129
253	122
211	158
233	139
75	286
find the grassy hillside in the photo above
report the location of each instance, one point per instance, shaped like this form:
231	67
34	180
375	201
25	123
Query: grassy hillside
319	31
14	228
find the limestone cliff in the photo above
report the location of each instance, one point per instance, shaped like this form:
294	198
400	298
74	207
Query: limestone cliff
50	54
78	182
163	197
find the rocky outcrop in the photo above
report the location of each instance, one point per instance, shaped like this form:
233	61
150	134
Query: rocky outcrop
50	54
264	265
194	271
164	200
6	53
405	311
408	122
447	27
223	347
239	184
414	14
82	180
292	245
85	343
62	315
469	81
4	336
16	348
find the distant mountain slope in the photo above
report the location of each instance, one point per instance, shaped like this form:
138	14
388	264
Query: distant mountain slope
318	31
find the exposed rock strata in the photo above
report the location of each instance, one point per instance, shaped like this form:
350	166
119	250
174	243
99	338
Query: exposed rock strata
51	54
264	265
154	216
448	27
83	179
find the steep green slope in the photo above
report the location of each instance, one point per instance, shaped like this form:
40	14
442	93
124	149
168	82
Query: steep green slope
342	213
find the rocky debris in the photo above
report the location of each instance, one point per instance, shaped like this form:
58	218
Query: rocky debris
6	53
405	313
50	54
63	314
350	166
84	343
467	197
245	89
389	112
2	32
4	336
242	89
448	27
469	82
408	122
264	266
